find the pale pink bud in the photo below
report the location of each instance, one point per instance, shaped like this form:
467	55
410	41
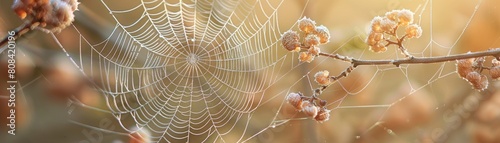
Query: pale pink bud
323	34
478	81
310	109
322	78
295	99
413	31
307	25
405	17
290	41
323	115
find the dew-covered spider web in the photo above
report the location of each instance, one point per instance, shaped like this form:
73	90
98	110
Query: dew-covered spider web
215	71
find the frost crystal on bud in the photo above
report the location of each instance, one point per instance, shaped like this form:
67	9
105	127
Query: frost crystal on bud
307	25
495	73
312	40
375	25
314	51
405	17
306	57
322	115
322	78
387	25
478	81
378	48
290	40
323	34
495	63
54	15
413	31
495	69
378	37
392	15
310	109
464	67
295	99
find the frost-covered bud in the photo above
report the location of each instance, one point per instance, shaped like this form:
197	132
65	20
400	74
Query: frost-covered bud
73	3
323	34
322	103
392	15
495	73
464	67
322	78
307	25
387	25
478	81
405	17
314	51
375	25
306	57
290	41
495	63
53	15
310	109
295	99
323	115
312	40
370	40
413	31
378	37
378	48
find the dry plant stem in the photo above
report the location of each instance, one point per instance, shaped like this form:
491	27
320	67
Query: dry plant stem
410	60
20	31
415	60
343	74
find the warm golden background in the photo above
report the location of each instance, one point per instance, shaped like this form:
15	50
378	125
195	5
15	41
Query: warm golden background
416	103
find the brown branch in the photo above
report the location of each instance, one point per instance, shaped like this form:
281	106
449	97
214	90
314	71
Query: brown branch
415	60
19	31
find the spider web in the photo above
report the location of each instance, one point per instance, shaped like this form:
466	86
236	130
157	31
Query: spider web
215	71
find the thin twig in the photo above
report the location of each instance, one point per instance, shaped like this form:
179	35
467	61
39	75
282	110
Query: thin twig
416	60
19	31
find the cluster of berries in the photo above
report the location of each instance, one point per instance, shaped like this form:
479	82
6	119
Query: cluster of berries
388	25
309	107
53	15
470	70
312	37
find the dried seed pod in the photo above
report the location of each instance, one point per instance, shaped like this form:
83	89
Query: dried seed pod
405	17
392	15
322	103
387	25
370	40
495	63
310	109
323	34
495	73
478	81
307	25
464	67
314	51
375	25
55	14
312	40
295	99
413	31
322	115
306	57
322	78
290	41
378	48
